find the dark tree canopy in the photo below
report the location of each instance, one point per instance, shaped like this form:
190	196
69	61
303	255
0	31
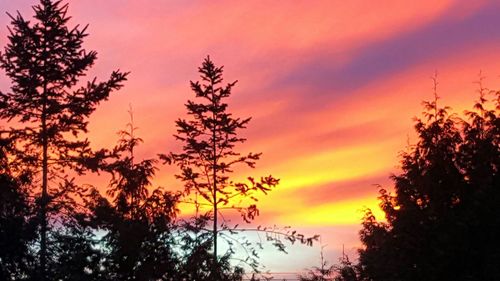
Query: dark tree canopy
45	61
143	240
137	226
16	219
442	221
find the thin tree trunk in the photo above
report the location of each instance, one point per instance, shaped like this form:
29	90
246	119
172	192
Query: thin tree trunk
45	197
214	180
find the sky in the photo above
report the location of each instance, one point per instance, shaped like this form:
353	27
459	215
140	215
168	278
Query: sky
332	88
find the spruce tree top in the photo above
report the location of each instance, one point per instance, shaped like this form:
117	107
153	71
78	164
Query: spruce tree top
45	60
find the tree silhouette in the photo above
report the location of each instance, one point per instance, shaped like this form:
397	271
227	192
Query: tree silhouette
324	272
209	157
142	240
344	271
139	225
45	60
16	220
440	224
75	252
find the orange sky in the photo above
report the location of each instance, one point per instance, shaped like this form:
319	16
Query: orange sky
332	87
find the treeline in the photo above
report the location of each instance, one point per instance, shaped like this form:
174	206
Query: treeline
53	227
442	216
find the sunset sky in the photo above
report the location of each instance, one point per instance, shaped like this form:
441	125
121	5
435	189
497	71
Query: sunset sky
332	87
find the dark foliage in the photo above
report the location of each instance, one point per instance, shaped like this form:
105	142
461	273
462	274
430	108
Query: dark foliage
442	221
138	227
345	270
45	61
16	225
142	238
76	253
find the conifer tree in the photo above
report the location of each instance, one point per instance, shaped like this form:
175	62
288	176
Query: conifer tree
45	61
209	155
324	272
138	223
441	222
345	270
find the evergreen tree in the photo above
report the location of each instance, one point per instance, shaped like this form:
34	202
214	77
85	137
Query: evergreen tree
324	272
139	236
441	222
479	159
344	271
45	61
209	156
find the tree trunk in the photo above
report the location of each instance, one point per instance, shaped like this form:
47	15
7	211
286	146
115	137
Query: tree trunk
45	197
215	265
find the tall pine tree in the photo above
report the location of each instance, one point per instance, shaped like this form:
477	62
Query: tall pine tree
45	61
209	156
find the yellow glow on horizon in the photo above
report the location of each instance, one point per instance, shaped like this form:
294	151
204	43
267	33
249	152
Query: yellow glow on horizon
336	213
